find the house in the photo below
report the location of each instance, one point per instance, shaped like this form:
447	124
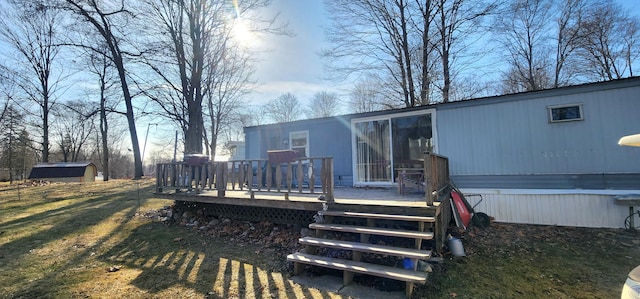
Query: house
544	157
236	150
64	172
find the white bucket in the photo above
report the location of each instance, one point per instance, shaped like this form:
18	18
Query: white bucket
455	245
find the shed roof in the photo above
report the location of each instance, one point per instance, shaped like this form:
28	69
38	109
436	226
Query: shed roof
59	170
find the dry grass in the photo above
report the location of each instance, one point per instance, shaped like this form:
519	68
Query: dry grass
60	241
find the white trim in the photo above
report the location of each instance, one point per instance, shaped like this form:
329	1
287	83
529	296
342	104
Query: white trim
549	191
307	147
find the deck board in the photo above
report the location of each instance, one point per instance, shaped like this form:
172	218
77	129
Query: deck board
373	231
303	201
370	248
359	267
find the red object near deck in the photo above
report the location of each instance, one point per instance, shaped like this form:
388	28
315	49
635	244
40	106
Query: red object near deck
461	207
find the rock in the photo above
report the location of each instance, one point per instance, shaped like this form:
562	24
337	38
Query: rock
187	215
214	222
424	266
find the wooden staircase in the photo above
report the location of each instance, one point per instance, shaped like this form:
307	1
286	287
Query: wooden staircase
362	227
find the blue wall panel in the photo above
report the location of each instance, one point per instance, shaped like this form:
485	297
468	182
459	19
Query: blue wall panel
512	134
500	136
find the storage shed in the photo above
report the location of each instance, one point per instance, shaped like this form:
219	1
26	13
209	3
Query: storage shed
64	172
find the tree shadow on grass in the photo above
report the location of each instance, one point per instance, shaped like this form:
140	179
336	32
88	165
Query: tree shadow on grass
158	259
42	229
170	258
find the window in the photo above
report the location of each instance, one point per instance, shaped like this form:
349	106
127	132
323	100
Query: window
565	113
299	141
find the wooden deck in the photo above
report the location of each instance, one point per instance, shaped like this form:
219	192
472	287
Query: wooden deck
384	197
297	184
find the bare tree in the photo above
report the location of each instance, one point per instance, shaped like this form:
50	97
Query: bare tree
401	39
323	104
32	29
196	38
524	35
100	66
427	55
568	22
456	21
284	108
75	126
365	96
609	41
373	36
189	26
110	23
231	79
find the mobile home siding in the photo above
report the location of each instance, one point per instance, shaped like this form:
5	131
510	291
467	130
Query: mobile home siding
515	137
328	137
528	169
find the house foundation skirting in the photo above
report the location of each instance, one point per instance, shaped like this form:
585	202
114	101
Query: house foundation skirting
579	208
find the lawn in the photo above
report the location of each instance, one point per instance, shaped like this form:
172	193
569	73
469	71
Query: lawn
99	240
89	241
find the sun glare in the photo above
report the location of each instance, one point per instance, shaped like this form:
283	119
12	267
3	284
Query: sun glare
242	32
241	29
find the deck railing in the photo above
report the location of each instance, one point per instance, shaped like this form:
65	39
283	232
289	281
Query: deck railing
438	188
312	175
436	172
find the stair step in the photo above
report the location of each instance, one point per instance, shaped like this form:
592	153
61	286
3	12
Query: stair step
359	267
380	216
373	231
370	248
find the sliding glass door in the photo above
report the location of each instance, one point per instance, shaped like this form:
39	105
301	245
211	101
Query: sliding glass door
373	161
385	145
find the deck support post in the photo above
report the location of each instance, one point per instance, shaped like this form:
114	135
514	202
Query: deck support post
298	268
347	277
409	289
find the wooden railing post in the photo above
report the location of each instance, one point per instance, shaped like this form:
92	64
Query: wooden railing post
329	180
217	176
159	175
221	183
436	170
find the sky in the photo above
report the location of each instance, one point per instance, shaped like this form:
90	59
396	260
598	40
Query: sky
293	64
